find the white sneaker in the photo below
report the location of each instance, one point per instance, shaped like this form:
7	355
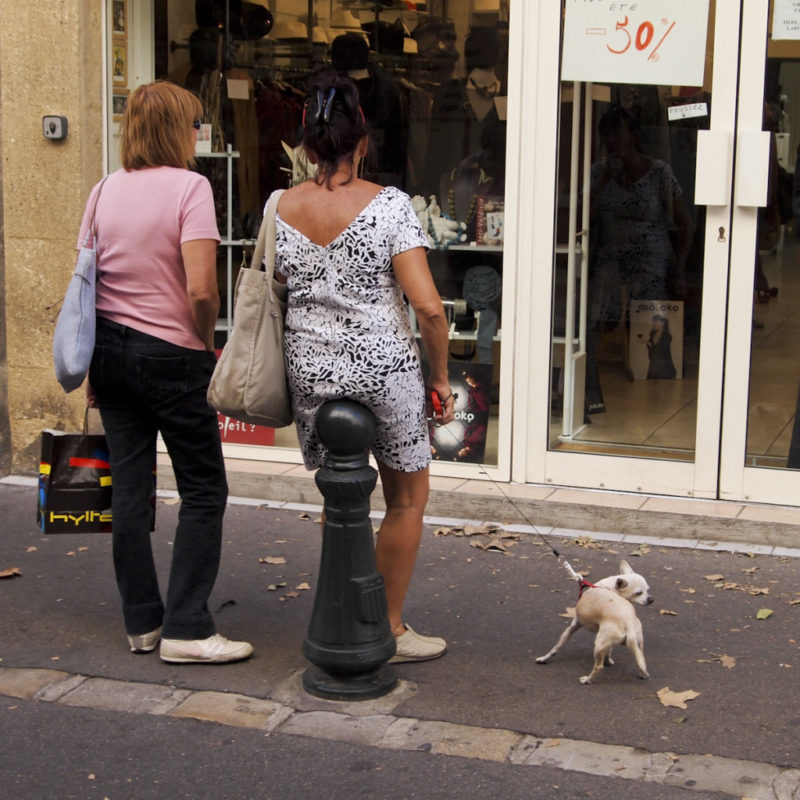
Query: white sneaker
411	646
214	650
145	642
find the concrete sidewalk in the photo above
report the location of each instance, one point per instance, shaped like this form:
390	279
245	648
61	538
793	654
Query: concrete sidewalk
498	600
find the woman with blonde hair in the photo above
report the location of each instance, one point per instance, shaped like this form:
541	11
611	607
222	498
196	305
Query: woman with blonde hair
157	304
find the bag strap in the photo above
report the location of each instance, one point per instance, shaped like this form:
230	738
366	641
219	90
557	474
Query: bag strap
265	243
90	230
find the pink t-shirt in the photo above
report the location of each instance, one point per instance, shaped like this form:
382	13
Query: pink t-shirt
143	216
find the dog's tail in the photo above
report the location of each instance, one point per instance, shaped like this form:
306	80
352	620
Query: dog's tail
574	575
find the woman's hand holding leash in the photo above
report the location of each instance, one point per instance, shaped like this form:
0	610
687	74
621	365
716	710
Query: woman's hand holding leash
440	404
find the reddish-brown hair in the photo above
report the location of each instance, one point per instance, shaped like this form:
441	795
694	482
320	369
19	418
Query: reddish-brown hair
156	128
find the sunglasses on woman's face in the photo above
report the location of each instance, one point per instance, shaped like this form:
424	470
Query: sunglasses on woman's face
196	124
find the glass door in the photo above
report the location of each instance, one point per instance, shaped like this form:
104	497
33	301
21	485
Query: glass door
642	238
761	427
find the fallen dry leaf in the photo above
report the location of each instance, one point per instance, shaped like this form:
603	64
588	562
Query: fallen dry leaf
729	662
588	543
764	613
492	544
31	549
171	501
714	578
271	560
689	591
487	529
667	612
303	515
292	594
641	550
11	572
303	587
675	699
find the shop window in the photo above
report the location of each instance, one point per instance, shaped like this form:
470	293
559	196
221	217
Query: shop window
433	83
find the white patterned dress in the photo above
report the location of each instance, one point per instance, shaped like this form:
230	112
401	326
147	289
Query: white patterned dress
347	330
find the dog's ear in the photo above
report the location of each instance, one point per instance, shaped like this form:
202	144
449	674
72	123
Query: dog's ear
625	568
621	584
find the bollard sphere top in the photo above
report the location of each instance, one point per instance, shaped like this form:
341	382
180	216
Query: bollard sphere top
345	427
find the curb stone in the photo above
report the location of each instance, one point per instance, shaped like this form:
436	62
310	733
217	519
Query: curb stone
733	777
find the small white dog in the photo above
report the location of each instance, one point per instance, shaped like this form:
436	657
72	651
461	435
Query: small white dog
606	608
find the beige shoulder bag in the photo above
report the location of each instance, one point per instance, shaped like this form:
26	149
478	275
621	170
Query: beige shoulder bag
249	381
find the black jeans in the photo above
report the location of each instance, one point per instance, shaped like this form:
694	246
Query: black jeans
144	386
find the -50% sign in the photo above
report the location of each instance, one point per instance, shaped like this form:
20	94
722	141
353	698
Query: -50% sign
642	39
647	41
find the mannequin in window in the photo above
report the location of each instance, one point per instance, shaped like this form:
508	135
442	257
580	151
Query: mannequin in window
232	119
383	108
463	106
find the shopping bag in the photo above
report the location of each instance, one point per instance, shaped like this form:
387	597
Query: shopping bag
75	487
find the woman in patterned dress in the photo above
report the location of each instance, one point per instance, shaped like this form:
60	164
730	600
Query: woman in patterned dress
349	251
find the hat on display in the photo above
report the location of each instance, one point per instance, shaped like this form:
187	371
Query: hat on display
349	51
342	18
344	21
289	29
257	20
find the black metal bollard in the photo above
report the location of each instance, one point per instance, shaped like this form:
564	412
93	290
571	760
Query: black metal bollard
349	639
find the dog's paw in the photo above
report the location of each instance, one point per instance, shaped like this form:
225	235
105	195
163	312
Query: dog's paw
585	679
542	659
644	675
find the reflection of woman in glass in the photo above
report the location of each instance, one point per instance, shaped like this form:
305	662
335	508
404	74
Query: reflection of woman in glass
637	207
641	233
659	350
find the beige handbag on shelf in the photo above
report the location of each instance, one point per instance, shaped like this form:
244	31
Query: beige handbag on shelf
249	381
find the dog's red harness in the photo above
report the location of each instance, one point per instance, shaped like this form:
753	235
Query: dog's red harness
583	585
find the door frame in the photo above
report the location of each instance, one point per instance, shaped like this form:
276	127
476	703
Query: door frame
738	481
539	464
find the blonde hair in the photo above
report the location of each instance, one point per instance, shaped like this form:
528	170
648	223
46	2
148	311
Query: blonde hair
156	128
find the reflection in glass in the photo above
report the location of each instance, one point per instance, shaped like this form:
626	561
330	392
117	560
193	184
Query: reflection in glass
773	422
628	270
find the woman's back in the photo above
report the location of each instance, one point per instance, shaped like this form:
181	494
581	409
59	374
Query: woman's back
321	214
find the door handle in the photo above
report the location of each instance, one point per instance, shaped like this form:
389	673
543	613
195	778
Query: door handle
752	168
712	184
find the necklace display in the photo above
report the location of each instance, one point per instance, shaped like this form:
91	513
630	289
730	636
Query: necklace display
487	92
483	182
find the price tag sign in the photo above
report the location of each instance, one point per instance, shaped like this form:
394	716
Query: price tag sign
642	41
786	19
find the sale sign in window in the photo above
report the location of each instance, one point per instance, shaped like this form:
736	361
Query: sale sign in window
646	41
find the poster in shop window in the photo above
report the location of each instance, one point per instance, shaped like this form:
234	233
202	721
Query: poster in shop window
643	41
464	439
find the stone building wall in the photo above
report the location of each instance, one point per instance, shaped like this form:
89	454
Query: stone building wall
50	63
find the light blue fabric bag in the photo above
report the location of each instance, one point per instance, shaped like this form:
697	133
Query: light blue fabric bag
73	340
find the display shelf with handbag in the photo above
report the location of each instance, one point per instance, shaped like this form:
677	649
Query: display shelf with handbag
249	381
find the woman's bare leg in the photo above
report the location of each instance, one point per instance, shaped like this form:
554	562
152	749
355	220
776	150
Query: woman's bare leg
406	495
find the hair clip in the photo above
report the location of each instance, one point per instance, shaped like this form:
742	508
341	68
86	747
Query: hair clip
323	107
328	106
